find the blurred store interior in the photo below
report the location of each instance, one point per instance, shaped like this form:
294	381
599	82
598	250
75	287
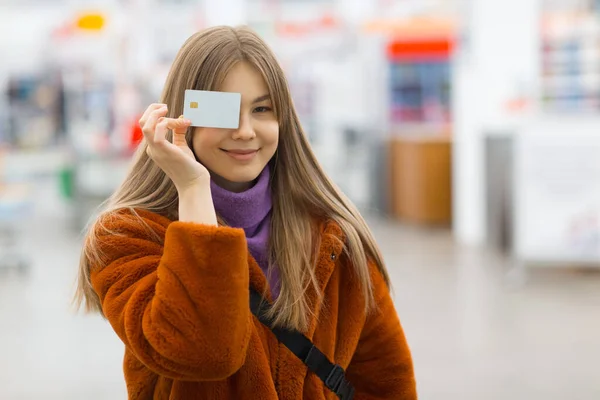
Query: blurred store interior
467	131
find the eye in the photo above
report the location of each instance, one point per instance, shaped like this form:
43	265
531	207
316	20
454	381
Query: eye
262	109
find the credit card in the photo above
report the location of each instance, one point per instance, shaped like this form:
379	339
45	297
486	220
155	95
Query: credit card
212	109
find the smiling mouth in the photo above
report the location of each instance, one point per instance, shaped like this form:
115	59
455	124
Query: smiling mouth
250	151
241	155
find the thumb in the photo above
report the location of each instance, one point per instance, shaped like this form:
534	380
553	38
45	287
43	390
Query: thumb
180	131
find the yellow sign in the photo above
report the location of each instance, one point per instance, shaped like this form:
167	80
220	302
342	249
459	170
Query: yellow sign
90	22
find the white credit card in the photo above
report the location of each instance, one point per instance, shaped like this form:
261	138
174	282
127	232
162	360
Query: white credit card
212	109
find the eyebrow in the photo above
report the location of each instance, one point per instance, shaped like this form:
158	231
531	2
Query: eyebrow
261	98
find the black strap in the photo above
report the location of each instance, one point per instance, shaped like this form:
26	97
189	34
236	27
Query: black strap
332	375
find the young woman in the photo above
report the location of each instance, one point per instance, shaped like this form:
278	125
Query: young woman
206	214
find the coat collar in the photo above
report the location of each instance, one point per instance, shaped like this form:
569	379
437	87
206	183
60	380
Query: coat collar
331	245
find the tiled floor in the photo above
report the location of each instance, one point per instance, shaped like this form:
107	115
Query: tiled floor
472	337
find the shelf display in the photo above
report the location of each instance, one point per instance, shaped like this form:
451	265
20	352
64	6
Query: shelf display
570	56
36	115
420	73
557	196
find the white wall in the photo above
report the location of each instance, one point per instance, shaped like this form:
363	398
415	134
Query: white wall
225	12
499	60
22	30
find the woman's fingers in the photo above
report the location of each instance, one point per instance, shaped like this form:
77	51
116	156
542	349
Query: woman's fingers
176	159
160	133
151	107
178	126
179	133
149	127
155	126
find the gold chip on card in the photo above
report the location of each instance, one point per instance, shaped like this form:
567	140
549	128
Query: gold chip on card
212	109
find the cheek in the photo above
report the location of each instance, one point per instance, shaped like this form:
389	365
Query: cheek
204	142
270	134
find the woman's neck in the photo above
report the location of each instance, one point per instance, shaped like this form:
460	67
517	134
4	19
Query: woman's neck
235	187
245	208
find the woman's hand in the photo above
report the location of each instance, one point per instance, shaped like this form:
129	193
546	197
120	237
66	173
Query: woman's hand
176	159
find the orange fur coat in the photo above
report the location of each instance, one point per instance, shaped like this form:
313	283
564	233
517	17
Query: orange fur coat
180	304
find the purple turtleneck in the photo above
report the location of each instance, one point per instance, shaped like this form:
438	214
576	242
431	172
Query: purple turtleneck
251	211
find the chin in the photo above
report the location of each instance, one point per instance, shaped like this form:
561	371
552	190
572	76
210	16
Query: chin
242	176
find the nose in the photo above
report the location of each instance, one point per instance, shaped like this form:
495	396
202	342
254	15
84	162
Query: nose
245	131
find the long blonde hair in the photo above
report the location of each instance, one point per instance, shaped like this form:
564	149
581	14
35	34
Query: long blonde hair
302	193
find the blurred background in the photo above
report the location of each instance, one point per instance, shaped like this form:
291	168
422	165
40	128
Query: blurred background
467	131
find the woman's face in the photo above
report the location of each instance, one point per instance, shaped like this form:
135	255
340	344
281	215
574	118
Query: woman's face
235	157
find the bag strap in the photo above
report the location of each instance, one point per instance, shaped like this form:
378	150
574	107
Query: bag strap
332	375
